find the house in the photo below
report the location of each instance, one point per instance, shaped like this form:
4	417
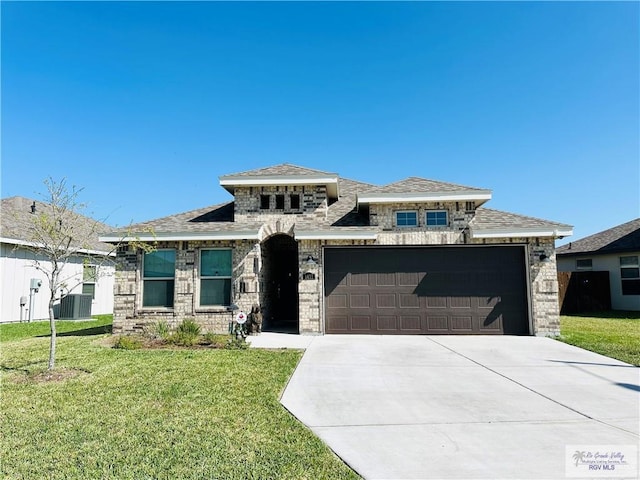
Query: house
616	251
81	275
319	254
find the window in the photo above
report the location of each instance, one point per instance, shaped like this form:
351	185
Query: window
215	277
264	202
584	264
407	219
89	275
630	275
158	272
437	218
279	202
295	201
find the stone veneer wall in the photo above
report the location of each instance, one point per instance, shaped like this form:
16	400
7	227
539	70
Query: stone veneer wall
247	263
313	201
130	315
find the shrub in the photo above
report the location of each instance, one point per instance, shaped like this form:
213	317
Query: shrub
234	343
127	342
158	330
216	340
183	339
186	334
189	326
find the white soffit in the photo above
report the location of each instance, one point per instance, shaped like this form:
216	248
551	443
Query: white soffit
336	235
555	232
182	236
457	196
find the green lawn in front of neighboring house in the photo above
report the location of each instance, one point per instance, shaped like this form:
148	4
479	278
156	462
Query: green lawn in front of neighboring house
161	414
614	334
19	330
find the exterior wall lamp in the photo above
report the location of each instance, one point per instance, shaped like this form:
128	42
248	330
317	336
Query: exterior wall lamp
310	261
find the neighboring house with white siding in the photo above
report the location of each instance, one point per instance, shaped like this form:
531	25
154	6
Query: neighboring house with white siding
81	275
617	251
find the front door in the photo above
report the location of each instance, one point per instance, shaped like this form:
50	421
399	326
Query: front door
280	281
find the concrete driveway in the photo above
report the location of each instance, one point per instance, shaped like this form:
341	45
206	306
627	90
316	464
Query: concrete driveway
462	407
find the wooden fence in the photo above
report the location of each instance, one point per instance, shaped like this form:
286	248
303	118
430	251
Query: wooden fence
581	292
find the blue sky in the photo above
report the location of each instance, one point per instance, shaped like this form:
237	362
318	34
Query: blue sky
145	104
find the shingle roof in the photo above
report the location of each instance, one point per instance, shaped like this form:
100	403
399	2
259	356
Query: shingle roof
490	219
281	169
420	185
17	220
342	215
619	239
220	218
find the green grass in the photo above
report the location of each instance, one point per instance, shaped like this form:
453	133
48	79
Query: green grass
16	331
614	334
143	414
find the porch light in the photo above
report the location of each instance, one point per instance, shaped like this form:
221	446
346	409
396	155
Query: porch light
311	261
544	258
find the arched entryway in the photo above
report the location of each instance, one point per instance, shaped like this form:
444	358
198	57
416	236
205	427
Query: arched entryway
280	284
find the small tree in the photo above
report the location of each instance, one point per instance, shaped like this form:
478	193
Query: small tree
59	233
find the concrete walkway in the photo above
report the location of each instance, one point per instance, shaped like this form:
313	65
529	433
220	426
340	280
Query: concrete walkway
457	407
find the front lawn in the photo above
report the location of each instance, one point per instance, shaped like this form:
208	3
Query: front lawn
614	334
16	331
161	414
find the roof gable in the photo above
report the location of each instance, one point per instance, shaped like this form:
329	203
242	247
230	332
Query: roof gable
619	239
282	175
16	223
283	169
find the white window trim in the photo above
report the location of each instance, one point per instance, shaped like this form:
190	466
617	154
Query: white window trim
395	216
635	265
446	213
200	307
92	281
578	267
150	279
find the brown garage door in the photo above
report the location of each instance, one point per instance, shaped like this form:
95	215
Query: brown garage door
426	290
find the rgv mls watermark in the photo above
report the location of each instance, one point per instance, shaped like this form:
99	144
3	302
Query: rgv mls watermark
601	461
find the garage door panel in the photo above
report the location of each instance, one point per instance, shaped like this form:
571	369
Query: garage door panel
386	300
385	279
426	290
408	300
387	323
358	279
410	323
462	324
338	324
361	322
359	300
438	323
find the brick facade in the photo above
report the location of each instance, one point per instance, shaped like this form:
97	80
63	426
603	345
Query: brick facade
302	208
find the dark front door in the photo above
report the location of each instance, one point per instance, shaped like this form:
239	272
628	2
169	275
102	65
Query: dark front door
426	290
280	281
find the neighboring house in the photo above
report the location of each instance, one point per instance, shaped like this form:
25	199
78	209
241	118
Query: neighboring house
617	251
323	254
17	265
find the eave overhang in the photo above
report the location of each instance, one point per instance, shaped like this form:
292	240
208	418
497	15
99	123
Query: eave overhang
82	251
230	182
480	196
336	235
553	232
181	236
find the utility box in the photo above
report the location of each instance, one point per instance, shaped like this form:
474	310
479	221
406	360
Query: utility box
75	306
